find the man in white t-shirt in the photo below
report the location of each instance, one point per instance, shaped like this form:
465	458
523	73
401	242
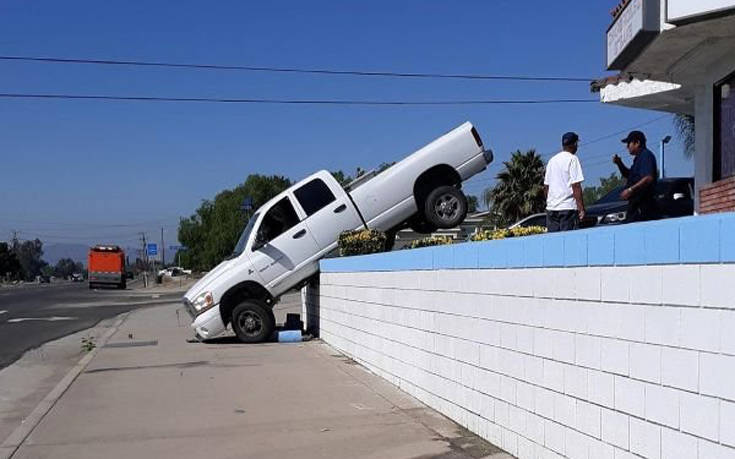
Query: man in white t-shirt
563	187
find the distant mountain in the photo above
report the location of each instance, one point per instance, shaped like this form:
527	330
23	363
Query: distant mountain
54	252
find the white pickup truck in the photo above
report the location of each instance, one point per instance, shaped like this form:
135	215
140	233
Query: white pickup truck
284	240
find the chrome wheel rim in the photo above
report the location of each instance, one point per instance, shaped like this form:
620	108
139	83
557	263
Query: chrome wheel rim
250	323
447	207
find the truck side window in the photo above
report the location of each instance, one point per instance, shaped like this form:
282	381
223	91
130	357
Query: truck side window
280	218
314	196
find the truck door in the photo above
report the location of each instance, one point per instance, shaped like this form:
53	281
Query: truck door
281	246
328	211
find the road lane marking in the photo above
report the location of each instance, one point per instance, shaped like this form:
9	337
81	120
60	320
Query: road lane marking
43	319
2	312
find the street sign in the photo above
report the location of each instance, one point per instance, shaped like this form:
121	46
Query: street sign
247	204
176	248
152	249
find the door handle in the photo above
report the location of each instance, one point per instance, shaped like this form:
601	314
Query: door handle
340	209
300	234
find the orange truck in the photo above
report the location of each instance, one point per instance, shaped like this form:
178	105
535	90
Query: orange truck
106	266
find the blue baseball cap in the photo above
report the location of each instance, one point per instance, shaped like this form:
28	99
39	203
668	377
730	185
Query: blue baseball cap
569	138
635	136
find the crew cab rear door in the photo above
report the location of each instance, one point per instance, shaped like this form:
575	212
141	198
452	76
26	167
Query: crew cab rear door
282	245
329	210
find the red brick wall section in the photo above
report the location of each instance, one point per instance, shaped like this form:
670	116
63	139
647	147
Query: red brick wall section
717	197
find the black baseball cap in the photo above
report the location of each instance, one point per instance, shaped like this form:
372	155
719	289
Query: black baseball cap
569	138
635	136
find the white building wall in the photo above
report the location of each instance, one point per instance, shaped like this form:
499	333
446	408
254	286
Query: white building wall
587	362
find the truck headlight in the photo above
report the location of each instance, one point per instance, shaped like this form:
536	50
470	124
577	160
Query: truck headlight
203	302
615	217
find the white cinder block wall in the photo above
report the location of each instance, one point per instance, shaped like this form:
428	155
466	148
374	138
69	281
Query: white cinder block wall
583	362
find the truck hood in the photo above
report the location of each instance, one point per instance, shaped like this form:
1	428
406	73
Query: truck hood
207	280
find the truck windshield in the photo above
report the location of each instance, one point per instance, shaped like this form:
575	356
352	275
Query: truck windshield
242	242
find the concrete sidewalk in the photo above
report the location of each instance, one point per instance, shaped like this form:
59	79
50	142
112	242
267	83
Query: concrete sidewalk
158	396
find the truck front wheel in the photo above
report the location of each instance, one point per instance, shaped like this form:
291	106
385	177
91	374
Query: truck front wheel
252	322
446	207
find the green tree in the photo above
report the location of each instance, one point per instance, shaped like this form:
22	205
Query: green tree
342	178
66	267
29	255
592	193
519	191
211	233
684	125
9	264
472	203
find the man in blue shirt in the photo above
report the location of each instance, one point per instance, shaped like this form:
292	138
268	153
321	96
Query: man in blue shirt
641	179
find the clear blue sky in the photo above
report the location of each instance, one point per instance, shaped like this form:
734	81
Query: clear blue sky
93	171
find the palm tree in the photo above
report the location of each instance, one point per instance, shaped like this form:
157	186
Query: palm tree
684	125
519	191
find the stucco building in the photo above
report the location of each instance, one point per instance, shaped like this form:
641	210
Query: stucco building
678	56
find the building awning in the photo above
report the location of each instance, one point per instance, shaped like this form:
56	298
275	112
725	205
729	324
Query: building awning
628	91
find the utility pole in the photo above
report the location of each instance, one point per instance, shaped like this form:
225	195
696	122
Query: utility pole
145	255
163	251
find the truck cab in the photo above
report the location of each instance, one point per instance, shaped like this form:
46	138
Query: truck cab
280	247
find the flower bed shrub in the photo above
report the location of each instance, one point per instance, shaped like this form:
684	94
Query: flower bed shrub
489	235
361	242
429	241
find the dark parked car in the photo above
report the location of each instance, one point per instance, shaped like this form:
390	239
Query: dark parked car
674	198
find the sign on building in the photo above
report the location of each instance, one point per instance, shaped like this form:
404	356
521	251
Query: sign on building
634	28
683	11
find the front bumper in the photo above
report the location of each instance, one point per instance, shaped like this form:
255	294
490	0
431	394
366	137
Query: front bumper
207	324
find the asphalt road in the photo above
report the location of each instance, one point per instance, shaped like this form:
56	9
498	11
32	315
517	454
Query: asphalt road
31	316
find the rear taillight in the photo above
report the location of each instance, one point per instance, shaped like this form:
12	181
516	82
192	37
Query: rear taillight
477	137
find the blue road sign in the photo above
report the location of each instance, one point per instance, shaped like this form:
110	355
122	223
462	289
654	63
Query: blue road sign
247	204
152	249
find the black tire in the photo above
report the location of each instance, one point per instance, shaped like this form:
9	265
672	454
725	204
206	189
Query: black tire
252	322
445	207
91	286
122	286
421	226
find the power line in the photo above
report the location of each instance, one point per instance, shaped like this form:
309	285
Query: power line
98	225
598	157
293	101
624	131
614	134
251	68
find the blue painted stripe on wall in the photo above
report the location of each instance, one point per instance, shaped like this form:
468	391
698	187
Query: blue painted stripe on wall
727	238
553	254
699	239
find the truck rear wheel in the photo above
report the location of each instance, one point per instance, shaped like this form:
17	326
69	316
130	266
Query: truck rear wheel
252	322
446	207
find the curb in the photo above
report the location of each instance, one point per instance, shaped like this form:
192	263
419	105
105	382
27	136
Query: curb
11	444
